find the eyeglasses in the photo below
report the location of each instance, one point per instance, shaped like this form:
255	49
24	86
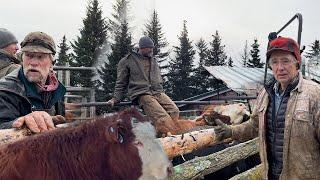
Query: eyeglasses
284	62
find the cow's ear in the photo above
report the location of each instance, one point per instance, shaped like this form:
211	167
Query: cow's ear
115	132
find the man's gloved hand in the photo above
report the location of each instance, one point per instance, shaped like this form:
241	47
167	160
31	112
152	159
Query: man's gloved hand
111	102
37	121
222	130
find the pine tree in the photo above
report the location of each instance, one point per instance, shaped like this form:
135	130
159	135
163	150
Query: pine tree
217	55
254	61
154	31
86	46
245	55
63	55
230	62
180	69
201	75
121	45
314	53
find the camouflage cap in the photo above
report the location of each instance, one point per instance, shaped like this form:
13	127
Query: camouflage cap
38	42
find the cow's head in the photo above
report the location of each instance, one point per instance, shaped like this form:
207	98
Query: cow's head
130	130
229	114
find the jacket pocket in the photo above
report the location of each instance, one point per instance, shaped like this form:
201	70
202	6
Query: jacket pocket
302	124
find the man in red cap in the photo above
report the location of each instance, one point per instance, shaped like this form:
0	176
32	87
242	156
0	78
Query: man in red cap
286	118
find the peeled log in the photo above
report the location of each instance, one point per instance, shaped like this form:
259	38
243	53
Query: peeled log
188	142
173	145
12	135
201	166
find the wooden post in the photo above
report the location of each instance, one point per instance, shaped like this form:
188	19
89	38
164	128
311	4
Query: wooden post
92	99
67	77
67	80
84	109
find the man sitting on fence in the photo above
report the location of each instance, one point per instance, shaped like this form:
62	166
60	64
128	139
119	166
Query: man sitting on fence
32	95
140	73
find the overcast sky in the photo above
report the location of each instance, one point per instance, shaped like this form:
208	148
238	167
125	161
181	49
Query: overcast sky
236	20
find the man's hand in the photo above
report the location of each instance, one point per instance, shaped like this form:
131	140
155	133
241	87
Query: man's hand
222	130
37	121
111	102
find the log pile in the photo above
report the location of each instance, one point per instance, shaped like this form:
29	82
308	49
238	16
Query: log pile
201	166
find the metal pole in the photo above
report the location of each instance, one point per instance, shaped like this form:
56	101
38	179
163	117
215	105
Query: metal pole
220	101
73	68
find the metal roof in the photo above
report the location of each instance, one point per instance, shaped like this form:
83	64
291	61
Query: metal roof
239	79
313	72
206	95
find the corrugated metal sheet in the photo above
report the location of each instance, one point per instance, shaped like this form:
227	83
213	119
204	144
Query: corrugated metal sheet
313	72
239	79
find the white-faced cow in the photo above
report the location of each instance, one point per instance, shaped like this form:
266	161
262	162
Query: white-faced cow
107	148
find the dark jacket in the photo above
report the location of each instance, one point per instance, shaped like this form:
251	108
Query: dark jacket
19	97
8	63
131	77
275	125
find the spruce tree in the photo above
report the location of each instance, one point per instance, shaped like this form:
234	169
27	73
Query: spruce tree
154	31
63	55
254	61
121	45
230	62
201	75
245	55
217	55
86	46
180	69
314	53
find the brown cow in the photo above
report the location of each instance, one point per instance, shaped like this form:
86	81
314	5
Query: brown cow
108	148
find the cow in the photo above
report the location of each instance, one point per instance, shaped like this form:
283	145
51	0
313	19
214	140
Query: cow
229	114
120	146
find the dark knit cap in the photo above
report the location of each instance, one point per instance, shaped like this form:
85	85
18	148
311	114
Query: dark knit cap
146	42
6	38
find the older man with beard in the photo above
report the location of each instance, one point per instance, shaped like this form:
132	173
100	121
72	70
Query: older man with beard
32	95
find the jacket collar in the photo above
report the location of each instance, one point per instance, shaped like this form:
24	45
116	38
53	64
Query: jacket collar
32	91
272	84
299	86
5	56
